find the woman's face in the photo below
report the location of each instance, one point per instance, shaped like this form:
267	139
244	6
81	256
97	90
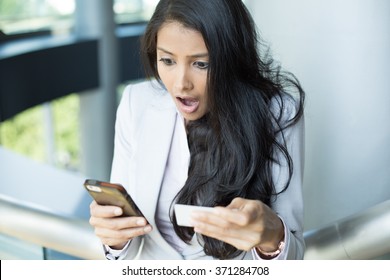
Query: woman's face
182	64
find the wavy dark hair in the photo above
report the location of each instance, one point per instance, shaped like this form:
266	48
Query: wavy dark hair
234	146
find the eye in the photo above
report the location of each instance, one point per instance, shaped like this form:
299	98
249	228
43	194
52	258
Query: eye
167	61
201	64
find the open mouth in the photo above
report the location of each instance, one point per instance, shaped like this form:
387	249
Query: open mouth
188	101
187	104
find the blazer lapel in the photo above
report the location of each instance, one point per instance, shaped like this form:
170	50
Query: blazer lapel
153	150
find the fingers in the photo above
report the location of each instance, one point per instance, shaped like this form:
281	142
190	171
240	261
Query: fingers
112	229
214	226
242	211
222	225
118	223
120	230
234	215
240	224
105	211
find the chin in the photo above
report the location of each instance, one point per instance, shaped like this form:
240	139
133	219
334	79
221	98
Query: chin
192	117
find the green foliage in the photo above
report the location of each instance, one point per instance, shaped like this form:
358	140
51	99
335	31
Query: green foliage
66	113
9	7
25	133
14	8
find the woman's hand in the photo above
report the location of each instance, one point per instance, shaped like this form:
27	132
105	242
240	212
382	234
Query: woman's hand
244	223
113	230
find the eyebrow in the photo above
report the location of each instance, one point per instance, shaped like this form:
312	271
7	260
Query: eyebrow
198	55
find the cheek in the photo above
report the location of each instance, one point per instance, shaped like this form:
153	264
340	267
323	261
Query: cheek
165	77
202	86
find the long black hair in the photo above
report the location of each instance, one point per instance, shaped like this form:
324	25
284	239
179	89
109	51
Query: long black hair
251	103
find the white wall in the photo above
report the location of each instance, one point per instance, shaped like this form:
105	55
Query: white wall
340	51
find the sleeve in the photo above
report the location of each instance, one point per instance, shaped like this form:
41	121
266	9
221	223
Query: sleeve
112	254
289	204
283	254
122	141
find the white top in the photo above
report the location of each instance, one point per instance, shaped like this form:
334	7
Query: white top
174	179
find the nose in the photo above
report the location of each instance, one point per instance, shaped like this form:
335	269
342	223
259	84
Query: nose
183	81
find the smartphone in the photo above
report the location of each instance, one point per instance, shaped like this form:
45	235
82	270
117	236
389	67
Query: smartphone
105	193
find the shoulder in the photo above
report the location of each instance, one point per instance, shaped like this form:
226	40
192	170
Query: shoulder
286	109
138	96
145	90
141	99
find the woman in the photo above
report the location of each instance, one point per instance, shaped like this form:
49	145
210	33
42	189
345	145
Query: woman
219	126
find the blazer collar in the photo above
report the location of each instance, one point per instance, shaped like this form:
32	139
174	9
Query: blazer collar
153	150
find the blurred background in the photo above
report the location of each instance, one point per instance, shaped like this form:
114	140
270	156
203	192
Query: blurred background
64	64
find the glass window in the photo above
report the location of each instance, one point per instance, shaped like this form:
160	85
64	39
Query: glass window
127	11
24	16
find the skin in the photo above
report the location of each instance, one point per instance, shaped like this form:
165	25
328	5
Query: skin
182	63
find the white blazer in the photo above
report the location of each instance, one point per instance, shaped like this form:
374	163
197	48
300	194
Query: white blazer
143	132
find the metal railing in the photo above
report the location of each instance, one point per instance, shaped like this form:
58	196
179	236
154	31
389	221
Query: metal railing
365	235
30	223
